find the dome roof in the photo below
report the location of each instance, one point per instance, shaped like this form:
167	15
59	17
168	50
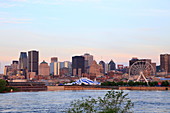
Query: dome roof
43	62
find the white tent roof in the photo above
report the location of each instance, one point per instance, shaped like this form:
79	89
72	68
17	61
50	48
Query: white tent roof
86	81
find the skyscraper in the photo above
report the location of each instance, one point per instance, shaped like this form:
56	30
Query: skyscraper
14	67
33	61
78	65
96	69
23	63
165	62
111	66
23	60
44	69
54	66
102	63
133	60
88	62
54	59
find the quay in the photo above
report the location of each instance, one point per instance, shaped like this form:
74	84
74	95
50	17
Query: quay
41	86
55	88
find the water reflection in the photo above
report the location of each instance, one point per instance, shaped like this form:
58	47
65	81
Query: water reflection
58	101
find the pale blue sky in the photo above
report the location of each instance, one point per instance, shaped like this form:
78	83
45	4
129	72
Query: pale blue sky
108	29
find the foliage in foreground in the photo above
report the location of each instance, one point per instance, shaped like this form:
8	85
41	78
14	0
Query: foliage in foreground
112	102
4	88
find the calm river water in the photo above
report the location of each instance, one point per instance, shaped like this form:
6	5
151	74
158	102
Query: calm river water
56	102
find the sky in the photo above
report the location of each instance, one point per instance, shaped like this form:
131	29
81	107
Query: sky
107	29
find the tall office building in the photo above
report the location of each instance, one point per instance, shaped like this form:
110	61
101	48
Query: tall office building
23	60
54	59
102	63
96	69
78	64
54	66
23	63
88	61
14	67
7	70
111	66
165	62
33	61
65	68
133	60
44	69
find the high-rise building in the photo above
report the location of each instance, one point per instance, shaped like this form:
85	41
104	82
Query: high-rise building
106	67
111	66
7	70
14	67
23	60
102	63
54	66
165	62
33	61
78	64
95	69
133	60
23	63
54	59
66	65
14	64
44	69
88	61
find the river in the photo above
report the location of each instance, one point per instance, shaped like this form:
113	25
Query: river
58	101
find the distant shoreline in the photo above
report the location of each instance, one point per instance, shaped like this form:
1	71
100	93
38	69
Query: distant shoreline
55	88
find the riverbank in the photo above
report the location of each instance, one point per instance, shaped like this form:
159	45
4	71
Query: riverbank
55	88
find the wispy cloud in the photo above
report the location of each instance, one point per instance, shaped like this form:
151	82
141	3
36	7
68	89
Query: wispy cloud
19	0
7	5
15	20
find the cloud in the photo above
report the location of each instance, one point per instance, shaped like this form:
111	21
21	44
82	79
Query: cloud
15	20
19	0
7	5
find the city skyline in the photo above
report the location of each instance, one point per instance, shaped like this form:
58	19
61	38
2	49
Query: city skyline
107	29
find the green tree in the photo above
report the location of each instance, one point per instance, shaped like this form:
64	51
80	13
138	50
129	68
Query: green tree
165	83
2	83
112	102
131	83
3	87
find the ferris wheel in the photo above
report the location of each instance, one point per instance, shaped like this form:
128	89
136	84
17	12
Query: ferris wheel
141	69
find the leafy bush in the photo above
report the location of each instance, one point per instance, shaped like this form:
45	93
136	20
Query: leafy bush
3	87
112	102
3	83
165	83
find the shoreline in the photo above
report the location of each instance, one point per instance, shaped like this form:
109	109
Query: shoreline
55	88
58	88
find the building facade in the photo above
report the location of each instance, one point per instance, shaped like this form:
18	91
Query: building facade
78	65
33	61
102	63
54	59
88	61
133	60
55	68
96	69
165	63
44	69
23	64
111	66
